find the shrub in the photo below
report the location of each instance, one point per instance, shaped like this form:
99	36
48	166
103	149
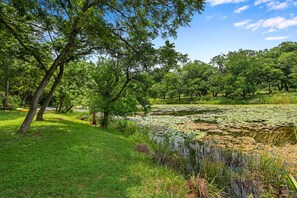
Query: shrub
125	126
12	101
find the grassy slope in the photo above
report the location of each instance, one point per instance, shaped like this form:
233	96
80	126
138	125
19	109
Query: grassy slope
68	158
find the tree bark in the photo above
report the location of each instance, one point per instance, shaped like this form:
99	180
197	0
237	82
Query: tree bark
34	101
104	122
24	99
68	109
5	100
286	86
39	116
94	120
33	104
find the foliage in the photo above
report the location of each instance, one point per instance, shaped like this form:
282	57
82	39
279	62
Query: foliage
126	127
235	75
117	89
74	88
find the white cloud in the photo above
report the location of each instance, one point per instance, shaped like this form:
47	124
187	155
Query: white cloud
239	10
258	2
218	2
242	23
273	24
275	5
275	38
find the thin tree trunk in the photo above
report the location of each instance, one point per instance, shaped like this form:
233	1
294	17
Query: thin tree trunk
269	87
94	120
105	119
39	116
68	109
24	99
286	86
5	100
61	104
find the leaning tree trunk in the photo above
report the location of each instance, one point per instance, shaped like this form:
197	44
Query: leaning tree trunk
48	98
60	60
34	101
104	122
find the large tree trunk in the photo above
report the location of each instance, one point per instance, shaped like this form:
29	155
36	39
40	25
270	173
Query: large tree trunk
39	116
104	122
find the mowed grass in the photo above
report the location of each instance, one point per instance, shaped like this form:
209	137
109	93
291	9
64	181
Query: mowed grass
64	157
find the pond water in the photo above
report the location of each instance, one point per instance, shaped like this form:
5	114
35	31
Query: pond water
233	141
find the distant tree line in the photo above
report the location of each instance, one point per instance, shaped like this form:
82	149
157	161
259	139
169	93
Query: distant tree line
239	73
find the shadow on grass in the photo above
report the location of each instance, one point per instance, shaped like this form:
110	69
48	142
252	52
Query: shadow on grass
63	157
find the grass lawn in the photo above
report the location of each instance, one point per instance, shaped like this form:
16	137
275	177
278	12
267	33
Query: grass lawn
64	157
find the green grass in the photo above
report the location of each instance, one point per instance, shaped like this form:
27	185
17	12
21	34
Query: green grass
276	98
64	157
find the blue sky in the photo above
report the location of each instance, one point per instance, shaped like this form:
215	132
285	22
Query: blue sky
229	25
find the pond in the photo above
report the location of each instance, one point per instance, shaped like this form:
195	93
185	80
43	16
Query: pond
230	139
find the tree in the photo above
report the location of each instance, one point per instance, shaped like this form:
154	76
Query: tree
173	84
242	68
67	30
286	62
117	90
196	77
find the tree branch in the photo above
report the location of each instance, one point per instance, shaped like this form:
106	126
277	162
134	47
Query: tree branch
13	32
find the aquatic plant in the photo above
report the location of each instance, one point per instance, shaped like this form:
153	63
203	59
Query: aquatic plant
292	182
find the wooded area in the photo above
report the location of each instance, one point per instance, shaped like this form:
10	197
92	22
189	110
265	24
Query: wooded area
47	35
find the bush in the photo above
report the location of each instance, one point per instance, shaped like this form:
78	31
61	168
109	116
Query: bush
126	127
12	101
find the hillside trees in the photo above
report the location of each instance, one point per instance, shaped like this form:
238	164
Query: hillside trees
238	73
67	30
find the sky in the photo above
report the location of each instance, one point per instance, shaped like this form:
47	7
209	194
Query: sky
230	25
